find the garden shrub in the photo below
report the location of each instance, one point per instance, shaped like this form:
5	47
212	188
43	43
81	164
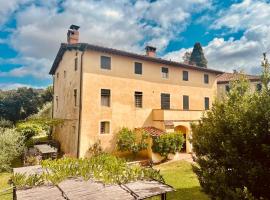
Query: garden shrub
11	146
28	129
5	123
168	143
232	144
131	140
95	149
32	127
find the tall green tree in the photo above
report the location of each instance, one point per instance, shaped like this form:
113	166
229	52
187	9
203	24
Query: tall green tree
47	95
186	57
18	104
197	56
232	143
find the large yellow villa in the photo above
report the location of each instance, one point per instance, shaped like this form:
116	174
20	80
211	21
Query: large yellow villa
99	90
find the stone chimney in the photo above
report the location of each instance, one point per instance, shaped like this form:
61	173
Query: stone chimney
73	34
150	51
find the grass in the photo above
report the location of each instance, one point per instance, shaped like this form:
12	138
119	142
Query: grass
4	177
179	174
4	181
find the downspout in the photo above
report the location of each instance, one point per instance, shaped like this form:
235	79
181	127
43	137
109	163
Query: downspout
80	106
53	98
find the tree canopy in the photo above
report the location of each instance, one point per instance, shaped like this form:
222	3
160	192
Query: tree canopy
19	104
232	143
197	56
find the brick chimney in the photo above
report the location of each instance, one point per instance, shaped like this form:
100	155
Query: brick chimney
150	51
73	34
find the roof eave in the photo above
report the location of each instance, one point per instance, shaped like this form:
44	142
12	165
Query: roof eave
83	46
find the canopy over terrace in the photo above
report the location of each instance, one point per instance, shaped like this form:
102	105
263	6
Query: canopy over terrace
77	188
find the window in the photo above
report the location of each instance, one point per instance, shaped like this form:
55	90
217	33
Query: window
138	99
185	75
105	62
138	68
227	88
185	102
206	78
165	72
165	101
56	99
259	87
76	64
206	103
104	127
75	97
65	74
105	97
57	75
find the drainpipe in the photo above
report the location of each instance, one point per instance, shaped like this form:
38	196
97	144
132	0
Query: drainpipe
53	97
80	106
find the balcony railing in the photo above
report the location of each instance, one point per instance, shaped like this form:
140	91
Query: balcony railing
177	115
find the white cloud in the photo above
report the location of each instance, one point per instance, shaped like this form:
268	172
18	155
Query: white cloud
251	17
244	15
10	86
119	24
227	55
30	66
6	8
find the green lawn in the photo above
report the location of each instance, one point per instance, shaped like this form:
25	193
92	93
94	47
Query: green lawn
4	177
179	174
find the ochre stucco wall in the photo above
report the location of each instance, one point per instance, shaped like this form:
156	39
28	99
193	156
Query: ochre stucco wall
122	82
66	110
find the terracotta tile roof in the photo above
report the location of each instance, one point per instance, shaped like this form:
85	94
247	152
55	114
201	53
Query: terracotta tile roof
152	131
84	46
227	77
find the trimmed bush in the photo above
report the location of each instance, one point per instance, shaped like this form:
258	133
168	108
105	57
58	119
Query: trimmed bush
11	146
168	143
132	141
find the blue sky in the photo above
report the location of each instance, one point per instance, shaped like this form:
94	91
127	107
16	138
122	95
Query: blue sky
234	34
